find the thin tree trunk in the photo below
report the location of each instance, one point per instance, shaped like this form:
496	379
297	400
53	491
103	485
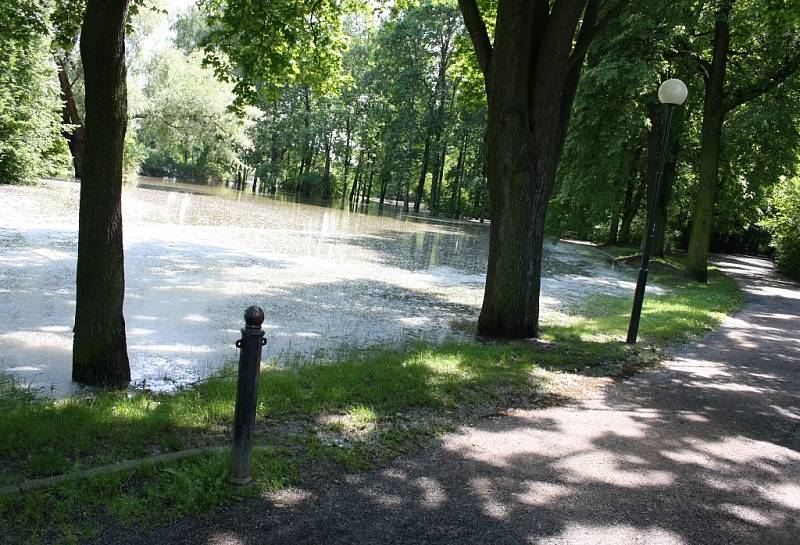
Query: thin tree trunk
423	172
305	161
384	186
434	181
656	117
326	177
369	183
633	201
613	230
440	92
347	152
670	168
455	190
710	139
442	160
99	350
355	178
273	162
71	116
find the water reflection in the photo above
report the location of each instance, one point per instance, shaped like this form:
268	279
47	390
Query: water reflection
196	256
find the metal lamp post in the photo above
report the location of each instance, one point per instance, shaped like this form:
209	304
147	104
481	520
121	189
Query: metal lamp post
671	93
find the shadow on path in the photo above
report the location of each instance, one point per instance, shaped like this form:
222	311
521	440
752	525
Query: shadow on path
703	450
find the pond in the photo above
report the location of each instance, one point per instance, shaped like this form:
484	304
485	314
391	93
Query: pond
196	257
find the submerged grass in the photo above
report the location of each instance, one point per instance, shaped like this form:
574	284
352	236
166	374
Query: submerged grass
352	414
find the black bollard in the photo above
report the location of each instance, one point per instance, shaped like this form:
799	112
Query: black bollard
246	395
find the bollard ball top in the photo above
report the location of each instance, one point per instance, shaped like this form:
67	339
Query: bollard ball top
253	316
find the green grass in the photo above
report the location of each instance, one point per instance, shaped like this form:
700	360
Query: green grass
686	309
75	511
316	419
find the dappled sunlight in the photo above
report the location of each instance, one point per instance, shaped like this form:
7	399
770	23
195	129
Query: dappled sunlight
617	534
703	451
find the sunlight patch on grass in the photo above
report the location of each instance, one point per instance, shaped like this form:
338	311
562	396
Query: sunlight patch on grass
363	409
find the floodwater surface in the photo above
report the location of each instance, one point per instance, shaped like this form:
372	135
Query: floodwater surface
196	257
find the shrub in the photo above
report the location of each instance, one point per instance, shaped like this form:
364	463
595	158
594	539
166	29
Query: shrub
784	226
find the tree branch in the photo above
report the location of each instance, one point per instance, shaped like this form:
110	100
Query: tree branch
586	34
591	26
702	64
477	32
789	66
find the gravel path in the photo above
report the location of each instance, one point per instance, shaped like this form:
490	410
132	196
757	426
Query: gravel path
703	450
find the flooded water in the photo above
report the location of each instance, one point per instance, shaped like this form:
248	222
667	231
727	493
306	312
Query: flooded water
196	257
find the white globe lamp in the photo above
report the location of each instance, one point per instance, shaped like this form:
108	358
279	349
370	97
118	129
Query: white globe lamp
673	91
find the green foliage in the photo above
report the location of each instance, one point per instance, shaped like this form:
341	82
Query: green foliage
263	46
31	145
190	30
606	149
67	18
784	226
187	126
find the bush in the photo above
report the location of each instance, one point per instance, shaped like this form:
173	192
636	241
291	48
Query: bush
784	226
31	144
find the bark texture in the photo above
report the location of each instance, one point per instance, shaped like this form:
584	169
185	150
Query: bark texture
99	354
71	116
531	73
710	140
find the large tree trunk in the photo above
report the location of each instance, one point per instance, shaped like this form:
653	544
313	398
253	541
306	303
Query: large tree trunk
71	116
531	74
710	139
99	353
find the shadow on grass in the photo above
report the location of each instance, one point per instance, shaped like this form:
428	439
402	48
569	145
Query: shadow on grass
390	401
706	451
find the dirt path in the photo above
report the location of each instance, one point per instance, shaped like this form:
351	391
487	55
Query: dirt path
704	450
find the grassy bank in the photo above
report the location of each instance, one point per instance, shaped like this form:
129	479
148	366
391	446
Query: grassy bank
314	420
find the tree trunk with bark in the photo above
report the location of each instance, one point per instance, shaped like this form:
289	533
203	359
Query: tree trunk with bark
99	353
656	116
326	176
357	179
346	167
71	116
531	74
662	212
455	190
368	194
423	173
385	179
710	139
633	200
